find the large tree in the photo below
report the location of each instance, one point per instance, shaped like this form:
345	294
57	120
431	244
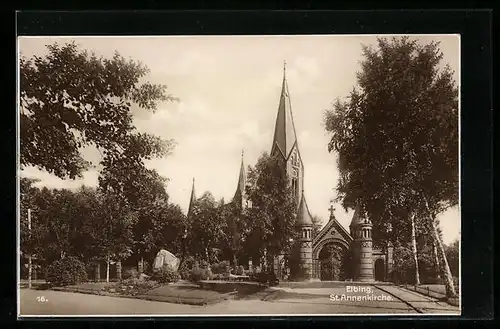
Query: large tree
397	137
206	228
70	99
271	219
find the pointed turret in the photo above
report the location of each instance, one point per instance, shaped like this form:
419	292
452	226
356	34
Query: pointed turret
361	231
192	200
284	131
304	224
239	195
356	218
303	214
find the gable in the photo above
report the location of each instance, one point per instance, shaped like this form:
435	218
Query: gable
333	229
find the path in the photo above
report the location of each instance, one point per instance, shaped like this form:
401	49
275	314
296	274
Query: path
317	302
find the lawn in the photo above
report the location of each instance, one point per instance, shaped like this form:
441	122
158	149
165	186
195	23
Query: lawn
179	293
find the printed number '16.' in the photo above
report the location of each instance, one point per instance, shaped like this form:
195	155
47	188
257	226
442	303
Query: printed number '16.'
41	299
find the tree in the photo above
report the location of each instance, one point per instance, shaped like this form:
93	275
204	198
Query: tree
114	226
206	229
169	228
397	137
233	230
70	99
31	232
453	257
271	218
317	225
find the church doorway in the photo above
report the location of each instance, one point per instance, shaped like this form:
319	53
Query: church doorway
330	260
379	270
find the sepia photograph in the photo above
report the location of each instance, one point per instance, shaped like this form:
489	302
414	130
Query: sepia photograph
176	176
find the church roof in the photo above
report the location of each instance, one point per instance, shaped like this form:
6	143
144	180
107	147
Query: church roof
192	200
303	215
240	189
284	130
332	222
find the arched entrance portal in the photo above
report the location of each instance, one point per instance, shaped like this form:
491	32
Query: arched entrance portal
379	270
331	260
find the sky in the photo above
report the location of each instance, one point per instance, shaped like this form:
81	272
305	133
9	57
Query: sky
228	89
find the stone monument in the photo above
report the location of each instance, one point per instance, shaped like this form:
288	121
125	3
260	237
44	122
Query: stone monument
165	257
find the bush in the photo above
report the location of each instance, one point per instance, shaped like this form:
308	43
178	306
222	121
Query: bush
186	267
66	271
199	274
220	268
130	273
166	274
265	278
240	270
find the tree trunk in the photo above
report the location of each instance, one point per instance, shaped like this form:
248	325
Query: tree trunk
98	272
445	268
414	250
206	254
107	269
119	270
140	266
30	266
264	263
436	260
235	260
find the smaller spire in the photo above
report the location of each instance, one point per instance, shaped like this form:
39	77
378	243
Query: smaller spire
240	190
192	199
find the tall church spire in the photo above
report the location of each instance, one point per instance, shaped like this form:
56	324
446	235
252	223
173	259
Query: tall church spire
192	200
284	131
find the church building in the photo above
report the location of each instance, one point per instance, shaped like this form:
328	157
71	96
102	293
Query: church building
357	259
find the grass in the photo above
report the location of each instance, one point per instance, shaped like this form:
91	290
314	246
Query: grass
181	293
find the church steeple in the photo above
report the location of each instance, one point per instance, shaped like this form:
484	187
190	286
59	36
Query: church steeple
192	200
240	189
285	142
284	132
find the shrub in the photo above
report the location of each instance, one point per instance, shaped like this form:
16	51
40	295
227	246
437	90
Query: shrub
240	270
130	273
220	268
166	274
186	267
265	278
199	274
66	271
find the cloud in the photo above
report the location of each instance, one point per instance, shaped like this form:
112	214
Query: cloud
229	92
90	178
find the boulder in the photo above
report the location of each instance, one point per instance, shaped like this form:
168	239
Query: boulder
165	257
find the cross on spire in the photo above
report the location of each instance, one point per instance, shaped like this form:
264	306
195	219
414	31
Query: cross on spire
284	66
